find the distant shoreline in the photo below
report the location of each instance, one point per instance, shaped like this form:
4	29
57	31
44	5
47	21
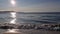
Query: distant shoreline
31	12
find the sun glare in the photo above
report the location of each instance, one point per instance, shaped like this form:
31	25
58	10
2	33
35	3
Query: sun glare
13	2
13	15
13	21
11	30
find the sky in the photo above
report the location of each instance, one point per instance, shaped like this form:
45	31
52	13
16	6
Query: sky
30	5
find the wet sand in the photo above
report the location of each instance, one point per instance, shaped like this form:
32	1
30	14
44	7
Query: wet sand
39	32
22	31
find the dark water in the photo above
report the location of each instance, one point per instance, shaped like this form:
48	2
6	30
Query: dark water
30	18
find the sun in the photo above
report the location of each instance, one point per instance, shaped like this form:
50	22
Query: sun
13	2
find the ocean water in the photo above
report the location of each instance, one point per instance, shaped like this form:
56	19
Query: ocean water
15	17
29	18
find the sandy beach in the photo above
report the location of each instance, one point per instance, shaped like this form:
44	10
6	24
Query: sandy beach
22	31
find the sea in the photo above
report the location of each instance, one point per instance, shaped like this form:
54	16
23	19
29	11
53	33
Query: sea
32	17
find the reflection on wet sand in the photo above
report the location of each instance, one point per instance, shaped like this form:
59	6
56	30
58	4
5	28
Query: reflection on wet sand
12	31
22	31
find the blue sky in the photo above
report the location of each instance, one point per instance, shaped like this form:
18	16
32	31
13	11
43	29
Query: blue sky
31	5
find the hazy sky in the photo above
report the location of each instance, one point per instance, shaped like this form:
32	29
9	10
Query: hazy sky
31	5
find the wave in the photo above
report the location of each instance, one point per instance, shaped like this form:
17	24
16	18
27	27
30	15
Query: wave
32	17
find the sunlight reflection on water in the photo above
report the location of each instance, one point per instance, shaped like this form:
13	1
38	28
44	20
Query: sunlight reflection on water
13	15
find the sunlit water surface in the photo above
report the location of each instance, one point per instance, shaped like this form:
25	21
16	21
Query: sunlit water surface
14	17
